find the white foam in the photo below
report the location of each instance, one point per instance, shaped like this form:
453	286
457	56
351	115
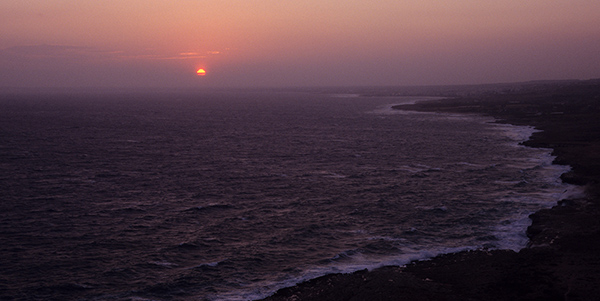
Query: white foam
204	265
355	262
510	234
516	133
164	264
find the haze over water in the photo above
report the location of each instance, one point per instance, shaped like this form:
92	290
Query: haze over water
231	195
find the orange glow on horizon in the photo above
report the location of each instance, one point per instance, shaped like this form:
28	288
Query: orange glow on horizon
201	72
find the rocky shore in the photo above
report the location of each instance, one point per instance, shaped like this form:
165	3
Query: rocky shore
562	261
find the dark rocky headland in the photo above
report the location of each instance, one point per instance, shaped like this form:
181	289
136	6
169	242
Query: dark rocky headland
562	261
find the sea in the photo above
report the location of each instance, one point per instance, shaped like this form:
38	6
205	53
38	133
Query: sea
233	194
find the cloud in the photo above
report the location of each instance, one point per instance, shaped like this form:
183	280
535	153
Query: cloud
38	53
68	51
68	65
44	51
190	54
179	56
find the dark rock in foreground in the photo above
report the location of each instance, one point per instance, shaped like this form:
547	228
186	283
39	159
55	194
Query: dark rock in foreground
563	259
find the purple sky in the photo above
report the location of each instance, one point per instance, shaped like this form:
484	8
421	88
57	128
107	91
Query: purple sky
253	43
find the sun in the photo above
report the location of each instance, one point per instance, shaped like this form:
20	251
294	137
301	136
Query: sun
201	72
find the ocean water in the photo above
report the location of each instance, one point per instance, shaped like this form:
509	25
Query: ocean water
230	195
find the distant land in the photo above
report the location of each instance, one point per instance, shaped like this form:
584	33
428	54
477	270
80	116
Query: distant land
562	261
399	90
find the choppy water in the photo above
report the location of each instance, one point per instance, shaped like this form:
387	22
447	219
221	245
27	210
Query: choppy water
231	195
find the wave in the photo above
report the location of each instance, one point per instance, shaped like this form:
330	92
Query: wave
209	207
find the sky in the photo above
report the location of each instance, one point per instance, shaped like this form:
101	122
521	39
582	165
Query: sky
274	43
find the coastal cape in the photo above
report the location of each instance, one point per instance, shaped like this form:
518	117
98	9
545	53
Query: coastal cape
562	260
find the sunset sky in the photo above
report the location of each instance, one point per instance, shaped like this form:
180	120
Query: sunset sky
255	43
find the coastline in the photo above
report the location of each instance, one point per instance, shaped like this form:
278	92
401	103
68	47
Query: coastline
562	260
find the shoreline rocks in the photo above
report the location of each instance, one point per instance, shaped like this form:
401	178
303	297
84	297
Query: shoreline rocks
562	261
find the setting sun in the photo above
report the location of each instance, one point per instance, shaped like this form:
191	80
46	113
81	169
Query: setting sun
201	72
